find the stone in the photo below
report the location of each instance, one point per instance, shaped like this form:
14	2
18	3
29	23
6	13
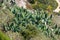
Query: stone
24	3
58	7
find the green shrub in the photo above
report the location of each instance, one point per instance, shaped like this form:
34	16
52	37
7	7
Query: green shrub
43	4
30	24
3	36
27	23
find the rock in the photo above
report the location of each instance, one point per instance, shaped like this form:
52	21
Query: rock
24	3
58	7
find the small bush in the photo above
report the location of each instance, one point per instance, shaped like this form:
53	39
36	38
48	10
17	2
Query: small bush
27	23
3	36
